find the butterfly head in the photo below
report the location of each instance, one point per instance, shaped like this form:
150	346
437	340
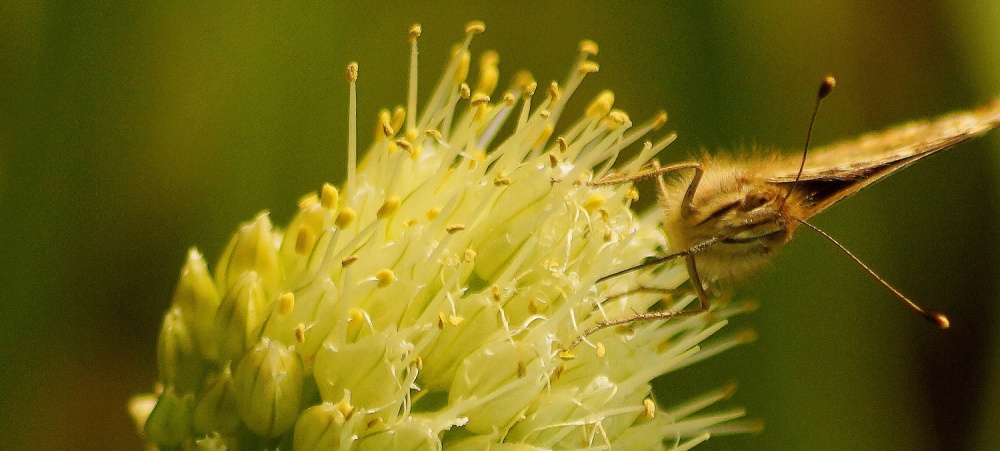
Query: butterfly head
739	211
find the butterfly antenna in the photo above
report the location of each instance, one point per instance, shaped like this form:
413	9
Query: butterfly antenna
939	319
824	90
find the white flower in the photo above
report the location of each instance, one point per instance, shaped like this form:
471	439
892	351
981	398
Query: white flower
433	300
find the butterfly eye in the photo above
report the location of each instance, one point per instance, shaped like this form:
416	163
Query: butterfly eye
721	211
754	201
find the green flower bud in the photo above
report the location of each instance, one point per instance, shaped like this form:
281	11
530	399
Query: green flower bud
415	435
216	442
268	382
369	369
240	315
180	365
169	424
499	381
216	408
251	249
198	300
326	426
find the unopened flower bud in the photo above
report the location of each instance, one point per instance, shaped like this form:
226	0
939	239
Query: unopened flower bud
239	317
268	382
216	409
169	423
179	362
198	300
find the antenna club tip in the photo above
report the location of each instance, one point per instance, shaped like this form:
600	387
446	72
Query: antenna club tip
827	86
940	320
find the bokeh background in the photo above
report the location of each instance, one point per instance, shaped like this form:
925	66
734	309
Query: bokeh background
130	131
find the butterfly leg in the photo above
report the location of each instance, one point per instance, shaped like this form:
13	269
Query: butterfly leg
703	299
647	316
657	172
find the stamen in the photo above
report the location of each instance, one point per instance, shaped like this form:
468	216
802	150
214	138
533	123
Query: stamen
345	217
411	97
489	74
588	48
329	197
385	277
352	127
285	304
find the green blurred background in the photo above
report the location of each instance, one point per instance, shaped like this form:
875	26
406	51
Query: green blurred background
132	130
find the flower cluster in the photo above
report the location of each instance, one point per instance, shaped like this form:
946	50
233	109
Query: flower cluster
432	300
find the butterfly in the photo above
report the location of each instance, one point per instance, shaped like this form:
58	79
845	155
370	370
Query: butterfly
726	217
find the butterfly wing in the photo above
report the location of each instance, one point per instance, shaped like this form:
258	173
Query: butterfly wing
837	171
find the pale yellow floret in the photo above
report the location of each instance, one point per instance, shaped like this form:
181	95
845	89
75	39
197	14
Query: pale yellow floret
601	105
529	89
479	99
523	78
489	74
594	201
285	304
352	72
661	118
619	118
383	127
404	144
563	145
462	71
308	201
588	47
546	134
385	277
398	116
356	315
433	134
300	333
554	91
558	372
589	67
649	408
304	240
414	32
389	207
475	27
345	408
329	197
345	217
509	99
